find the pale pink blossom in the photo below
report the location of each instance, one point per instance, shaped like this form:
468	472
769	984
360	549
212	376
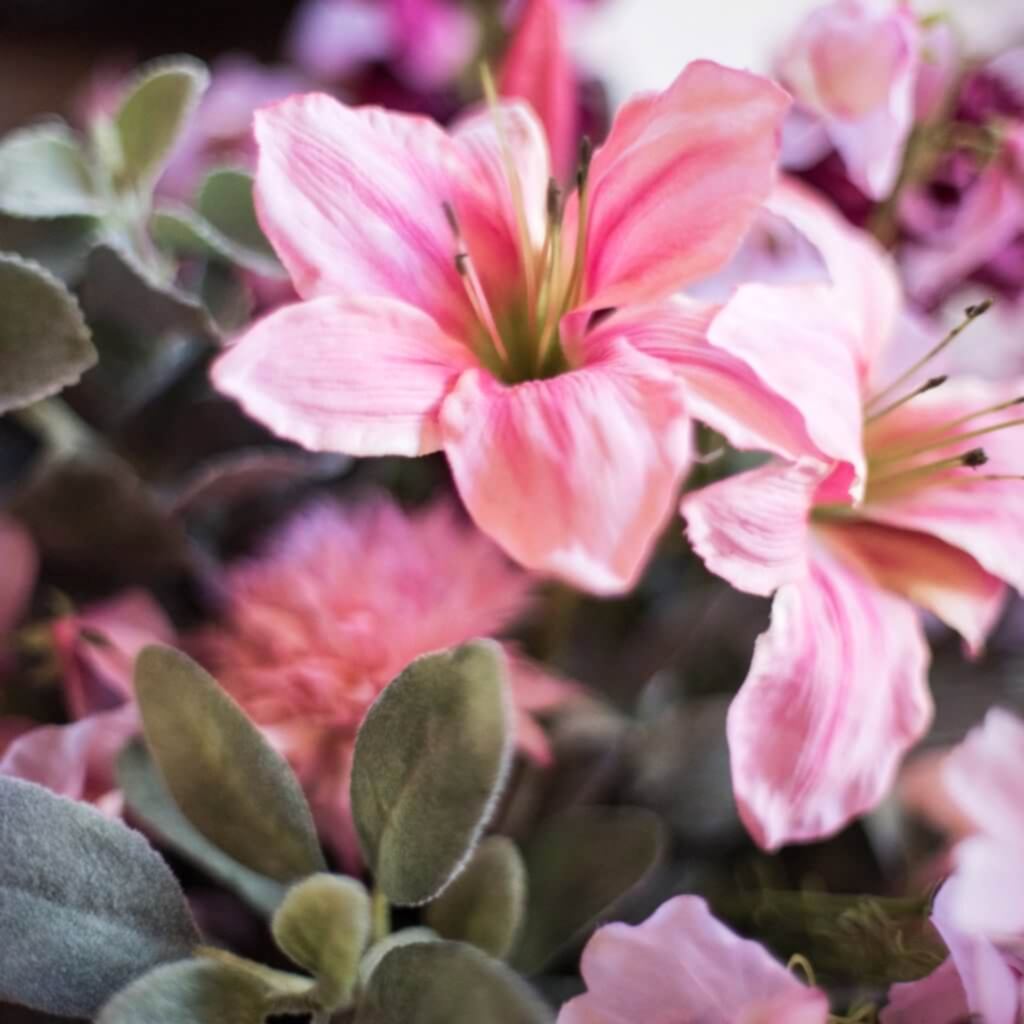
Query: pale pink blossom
683	966
853	65
337	605
907	516
454	302
938	67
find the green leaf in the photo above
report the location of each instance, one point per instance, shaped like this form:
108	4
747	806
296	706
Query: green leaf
323	925
151	803
61	244
448	983
152	116
486	904
226	201
430	762
44	173
184	231
579	865
191	992
86	905
226	778
44	342
376	953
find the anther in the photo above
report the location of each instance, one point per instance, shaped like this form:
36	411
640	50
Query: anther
586	155
554	201
975	457
972	459
929	385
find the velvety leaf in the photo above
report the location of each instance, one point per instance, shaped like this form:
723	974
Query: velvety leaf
486	904
224	776
150	802
376	953
86	905
120	289
190	992
61	244
579	865
44	342
43	173
430	762
186	232
152	115
448	983
323	925
226	202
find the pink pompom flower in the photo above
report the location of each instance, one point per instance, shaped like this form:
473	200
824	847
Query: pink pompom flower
924	510
339	602
682	965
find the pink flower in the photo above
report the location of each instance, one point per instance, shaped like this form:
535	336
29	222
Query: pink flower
453	302
980	910
853	64
427	42
338	604
837	690
683	966
19	559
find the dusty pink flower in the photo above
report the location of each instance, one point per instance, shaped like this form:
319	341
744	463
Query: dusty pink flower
452	302
837	690
683	966
335	607
979	912
853	65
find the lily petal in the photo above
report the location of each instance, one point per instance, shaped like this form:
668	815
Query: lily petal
537	69
836	694
574	475
753	529
681	964
927	572
360	376
937	998
678	184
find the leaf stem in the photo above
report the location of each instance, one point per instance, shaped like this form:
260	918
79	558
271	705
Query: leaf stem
380	911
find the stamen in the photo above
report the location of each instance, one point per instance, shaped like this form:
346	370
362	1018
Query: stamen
516	187
988	411
949	439
973	459
976	477
970	315
929	385
471	282
552	263
579	256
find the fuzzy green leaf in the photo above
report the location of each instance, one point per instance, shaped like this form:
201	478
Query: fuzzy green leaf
86	905
579	865
152	116
430	762
43	173
150	802
44	342
323	925
448	983
224	776
486	904
376	953
226	201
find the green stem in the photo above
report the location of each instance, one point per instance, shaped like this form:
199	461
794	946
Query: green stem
380	916
60	429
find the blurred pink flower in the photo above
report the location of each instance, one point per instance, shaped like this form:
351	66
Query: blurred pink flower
682	965
837	690
853	65
938	67
336	606
428	43
453	303
980	910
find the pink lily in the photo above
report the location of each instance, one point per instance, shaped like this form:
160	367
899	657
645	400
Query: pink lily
837	690
452	301
853	65
682	965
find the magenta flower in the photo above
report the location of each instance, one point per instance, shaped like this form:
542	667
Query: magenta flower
335	607
683	966
853	66
837	690
980	910
454	302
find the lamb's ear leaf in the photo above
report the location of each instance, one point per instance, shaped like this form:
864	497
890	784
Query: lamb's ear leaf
44	342
152	115
226	201
579	865
486	904
151	804
224	776
86	905
448	983
44	174
430	762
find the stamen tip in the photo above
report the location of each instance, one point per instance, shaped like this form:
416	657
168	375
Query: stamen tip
975	457
973	312
449	215
586	155
935	382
